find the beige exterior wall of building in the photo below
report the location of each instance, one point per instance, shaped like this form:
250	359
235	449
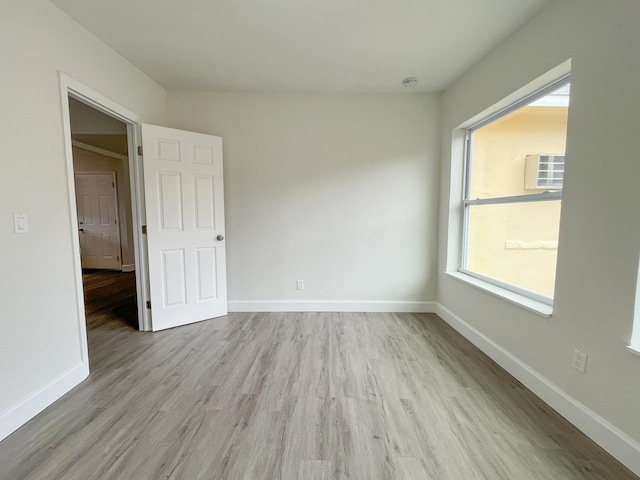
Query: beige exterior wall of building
515	243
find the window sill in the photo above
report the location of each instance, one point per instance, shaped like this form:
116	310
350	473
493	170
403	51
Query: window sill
534	306
635	349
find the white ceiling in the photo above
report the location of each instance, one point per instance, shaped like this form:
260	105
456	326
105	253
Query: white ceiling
301	45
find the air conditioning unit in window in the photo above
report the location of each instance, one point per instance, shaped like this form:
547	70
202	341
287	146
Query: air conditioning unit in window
543	172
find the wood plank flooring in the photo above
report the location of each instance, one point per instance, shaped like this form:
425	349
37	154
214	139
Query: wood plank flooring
109	296
299	396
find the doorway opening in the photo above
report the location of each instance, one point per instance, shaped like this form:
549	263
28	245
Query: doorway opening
103	204
181	168
89	101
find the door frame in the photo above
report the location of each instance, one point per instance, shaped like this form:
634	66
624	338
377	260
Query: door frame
116	210
71	88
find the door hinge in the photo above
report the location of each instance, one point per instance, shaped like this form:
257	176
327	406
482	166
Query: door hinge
115	221
149	304
144	229
118	258
140	150
113	184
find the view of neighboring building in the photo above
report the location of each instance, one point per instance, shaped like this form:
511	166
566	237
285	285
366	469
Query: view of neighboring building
521	153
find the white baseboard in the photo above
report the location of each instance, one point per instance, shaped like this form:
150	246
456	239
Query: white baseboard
16	416
330	306
128	268
608	436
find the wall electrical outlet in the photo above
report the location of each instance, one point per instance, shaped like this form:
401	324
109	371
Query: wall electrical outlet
579	360
300	284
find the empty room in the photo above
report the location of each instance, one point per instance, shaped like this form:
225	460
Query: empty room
320	239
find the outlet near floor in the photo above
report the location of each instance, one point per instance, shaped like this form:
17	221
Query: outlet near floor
300	284
579	360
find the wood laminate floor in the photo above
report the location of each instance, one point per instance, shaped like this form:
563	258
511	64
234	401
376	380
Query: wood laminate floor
299	396
109	296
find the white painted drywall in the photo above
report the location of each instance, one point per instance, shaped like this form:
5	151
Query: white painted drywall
338	190
39	326
599	232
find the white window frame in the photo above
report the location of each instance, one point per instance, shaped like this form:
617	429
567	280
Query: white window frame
634	345
467	202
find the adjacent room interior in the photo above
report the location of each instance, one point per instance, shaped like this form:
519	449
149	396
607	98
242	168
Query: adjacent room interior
105	226
414	288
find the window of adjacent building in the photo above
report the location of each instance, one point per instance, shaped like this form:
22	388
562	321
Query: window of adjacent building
514	174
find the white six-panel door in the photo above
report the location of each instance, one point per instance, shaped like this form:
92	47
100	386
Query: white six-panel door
98	220
185	226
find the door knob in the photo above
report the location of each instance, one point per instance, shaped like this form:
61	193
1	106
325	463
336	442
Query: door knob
81	229
219	238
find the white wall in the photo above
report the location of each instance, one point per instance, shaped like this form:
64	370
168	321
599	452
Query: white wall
337	190
599	232
40	345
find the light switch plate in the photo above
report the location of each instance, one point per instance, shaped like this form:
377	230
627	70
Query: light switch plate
20	224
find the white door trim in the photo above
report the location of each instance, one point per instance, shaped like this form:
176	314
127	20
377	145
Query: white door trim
70	87
101	151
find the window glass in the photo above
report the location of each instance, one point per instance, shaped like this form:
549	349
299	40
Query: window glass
516	243
515	175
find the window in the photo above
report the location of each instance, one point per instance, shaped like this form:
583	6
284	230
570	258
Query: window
543	171
514	174
634	347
